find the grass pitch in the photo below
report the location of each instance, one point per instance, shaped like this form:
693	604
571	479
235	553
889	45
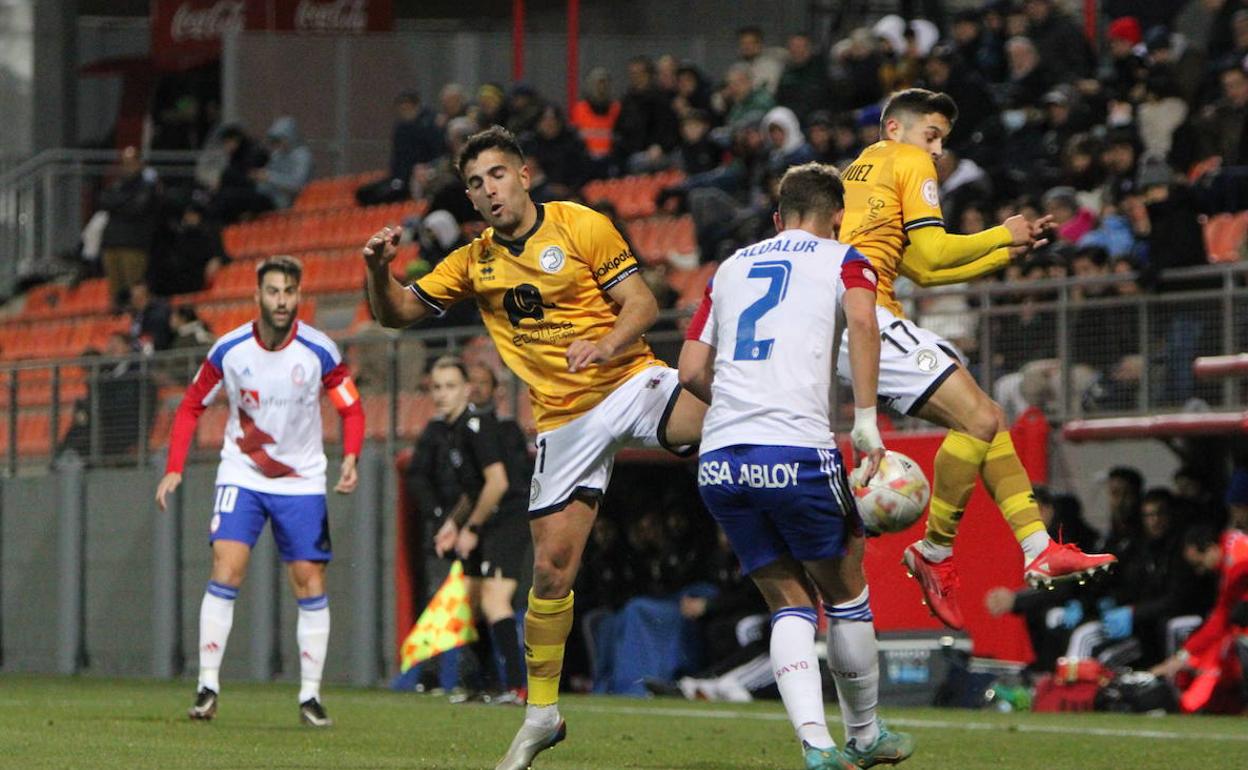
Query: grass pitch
100	724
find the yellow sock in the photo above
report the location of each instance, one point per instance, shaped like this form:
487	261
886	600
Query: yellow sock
953	480
546	627
1007	482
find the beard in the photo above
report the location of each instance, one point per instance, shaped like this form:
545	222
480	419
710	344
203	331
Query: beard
266	316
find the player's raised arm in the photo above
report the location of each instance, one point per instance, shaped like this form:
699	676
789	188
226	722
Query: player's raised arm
196	399
393	305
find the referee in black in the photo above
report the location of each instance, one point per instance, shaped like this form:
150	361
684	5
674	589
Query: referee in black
489	529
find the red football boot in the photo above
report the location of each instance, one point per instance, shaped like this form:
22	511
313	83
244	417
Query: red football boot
938	581
1063	562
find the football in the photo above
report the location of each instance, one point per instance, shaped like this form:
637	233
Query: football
895	497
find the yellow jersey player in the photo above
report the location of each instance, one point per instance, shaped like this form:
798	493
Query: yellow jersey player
893	216
561	297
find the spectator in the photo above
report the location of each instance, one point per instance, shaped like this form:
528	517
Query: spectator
742	100
289	167
856	73
416	138
121	388
976	106
438	184
1058	39
132	207
1196	503
692	90
766	66
594	116
1071	220
187	255
961	181
188	330
804	86
978	48
784	137
1124	487
227	158
1224	124
149	319
234	190
524	108
646	128
560	152
452	103
1126	69
1029	79
696	153
1159	116
491	107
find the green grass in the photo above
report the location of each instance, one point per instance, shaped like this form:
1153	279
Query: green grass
49	722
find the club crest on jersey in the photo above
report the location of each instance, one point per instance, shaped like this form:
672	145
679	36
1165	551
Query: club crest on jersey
535	491
525	301
552	259
931	193
249	398
926	360
298	375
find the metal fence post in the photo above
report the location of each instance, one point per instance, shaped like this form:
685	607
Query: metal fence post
1146	355
71	642
167	654
55	428
12	423
262	575
366	574
1063	351
1228	334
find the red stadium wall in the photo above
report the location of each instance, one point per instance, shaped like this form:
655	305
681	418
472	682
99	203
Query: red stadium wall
986	554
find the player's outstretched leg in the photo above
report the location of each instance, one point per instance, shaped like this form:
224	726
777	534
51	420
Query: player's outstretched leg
1047	562
930	560
558	542
216	616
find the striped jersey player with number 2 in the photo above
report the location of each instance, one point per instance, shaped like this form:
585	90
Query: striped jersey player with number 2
893	216
273	372
560	296
762	342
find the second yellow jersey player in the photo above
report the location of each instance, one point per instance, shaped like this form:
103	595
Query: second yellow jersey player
891	196
539	292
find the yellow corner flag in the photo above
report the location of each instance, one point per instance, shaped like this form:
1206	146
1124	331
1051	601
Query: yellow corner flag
444	625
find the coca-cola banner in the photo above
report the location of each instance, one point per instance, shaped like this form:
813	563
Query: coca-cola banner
188	33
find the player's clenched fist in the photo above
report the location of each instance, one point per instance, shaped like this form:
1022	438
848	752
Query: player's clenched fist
382	247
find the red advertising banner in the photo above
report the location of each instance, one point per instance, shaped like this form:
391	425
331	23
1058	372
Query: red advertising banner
188	33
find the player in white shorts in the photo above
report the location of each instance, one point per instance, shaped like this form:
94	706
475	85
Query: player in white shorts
560	294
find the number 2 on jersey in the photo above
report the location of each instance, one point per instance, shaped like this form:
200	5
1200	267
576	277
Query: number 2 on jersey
748	348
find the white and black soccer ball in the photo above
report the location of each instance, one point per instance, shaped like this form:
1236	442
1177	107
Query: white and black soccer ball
896	495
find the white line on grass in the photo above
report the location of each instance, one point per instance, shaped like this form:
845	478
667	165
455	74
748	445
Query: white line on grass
935	724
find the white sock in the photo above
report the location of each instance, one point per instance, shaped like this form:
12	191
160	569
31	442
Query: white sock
934	553
216	616
1034	544
797	673
854	660
542	716
312	633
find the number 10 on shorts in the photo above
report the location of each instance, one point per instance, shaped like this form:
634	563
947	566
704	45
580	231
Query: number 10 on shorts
227	497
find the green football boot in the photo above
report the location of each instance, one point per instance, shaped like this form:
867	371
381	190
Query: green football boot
888	749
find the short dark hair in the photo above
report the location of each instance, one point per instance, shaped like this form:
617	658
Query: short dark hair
811	188
1200	536
450	362
1129	475
918	102
1162	496
285	264
752	30
492	138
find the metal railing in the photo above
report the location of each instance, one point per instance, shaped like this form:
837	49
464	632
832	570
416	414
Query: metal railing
45	201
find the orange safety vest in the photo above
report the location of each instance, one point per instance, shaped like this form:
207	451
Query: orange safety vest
595	128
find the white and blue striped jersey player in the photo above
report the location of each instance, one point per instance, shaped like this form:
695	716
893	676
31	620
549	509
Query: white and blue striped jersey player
769	470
